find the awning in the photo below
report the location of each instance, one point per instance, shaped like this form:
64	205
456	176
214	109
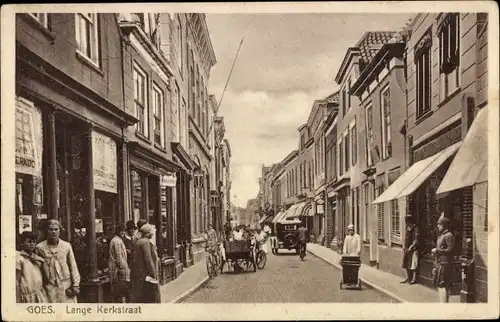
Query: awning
278	216
412	178
308	212
470	165
297	211
290	212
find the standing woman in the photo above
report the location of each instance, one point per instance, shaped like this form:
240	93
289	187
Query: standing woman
119	272
443	266
29	279
145	286
62	275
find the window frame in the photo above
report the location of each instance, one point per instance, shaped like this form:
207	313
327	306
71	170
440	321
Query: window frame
45	22
424	95
386	116
341	159
347	151
369	132
142	127
94	39
354	144
449	69
161	95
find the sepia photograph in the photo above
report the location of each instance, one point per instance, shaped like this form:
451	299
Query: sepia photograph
233	156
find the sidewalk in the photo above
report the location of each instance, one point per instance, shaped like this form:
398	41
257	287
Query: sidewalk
188	282
381	281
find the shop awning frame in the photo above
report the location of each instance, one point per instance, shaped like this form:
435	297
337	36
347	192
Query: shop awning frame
299	207
470	165
412	178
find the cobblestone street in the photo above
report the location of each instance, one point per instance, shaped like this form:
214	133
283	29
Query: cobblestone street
284	279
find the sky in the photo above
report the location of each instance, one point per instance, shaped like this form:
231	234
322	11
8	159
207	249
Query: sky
286	61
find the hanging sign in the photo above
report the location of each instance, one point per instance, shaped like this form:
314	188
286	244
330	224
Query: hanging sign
29	143
169	180
104	163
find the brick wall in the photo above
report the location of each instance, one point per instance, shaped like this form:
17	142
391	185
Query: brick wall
480	240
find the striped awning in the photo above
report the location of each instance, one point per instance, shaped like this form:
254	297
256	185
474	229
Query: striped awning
278	216
297	211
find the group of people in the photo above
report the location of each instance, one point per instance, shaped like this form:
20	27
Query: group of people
443	253
47	272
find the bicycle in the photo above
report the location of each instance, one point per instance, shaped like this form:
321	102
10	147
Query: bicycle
212	263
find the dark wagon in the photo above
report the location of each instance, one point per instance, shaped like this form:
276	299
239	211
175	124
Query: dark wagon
350	272
239	251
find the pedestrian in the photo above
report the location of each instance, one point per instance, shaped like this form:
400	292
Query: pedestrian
129	239
410	249
443	265
29	278
140	223
302	237
352	242
238	234
119	271
60	269
144	278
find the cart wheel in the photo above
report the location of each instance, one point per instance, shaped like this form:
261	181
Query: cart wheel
261	259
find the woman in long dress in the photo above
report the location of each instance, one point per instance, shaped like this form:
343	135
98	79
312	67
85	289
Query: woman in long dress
62	276
29	279
145	285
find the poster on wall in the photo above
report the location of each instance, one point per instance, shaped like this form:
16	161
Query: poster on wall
99	226
29	144
104	161
25	223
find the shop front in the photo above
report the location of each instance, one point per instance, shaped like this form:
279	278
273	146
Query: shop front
419	183
153	197
319	217
183	206
69	170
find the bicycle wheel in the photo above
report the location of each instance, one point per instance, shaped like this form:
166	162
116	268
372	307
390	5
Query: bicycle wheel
261	259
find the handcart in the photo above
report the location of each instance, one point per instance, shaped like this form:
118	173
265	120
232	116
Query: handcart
240	252
350	272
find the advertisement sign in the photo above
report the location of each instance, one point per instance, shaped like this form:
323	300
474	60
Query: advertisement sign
169	180
104	162
29	137
25	223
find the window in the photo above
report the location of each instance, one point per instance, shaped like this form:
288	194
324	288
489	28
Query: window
385	109
366	227
369	134
140	99
42	18
348	96
380	210
177	117
181	43
423	72
334	159
302	141
354	147
346	151
301	176
343	102
87	36
395	222
449	54
341	159
158	113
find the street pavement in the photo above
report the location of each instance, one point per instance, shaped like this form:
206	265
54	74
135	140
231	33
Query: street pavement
284	279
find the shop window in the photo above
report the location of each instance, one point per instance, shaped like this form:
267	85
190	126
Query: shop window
449	54
159	116
140	99
137	188
87	36
42	18
29	197
385	109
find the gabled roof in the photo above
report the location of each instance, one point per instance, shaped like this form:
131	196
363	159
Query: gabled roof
366	47
370	44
